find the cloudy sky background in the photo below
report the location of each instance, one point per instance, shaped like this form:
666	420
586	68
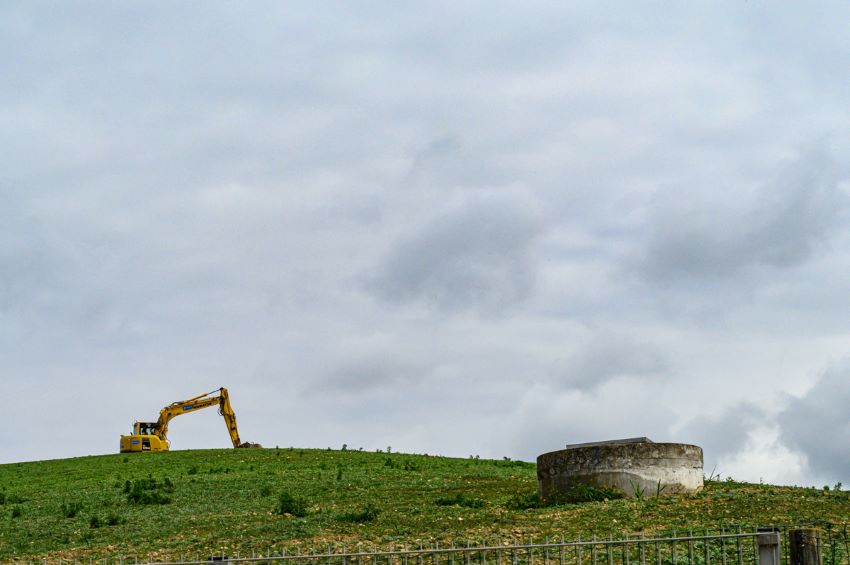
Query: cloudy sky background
454	228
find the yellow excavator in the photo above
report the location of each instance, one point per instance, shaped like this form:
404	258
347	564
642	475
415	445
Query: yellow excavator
151	436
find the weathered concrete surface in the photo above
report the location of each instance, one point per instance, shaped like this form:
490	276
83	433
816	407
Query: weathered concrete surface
610	441
629	467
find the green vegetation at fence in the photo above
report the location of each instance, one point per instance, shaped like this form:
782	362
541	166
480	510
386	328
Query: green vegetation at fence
211	501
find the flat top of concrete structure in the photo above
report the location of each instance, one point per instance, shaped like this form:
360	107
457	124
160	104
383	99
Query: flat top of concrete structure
611	442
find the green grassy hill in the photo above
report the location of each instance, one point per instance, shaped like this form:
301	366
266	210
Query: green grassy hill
230	500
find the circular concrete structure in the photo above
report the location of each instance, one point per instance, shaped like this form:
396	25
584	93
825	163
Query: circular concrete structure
632	467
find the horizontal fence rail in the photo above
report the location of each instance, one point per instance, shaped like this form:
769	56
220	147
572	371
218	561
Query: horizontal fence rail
767	546
726	549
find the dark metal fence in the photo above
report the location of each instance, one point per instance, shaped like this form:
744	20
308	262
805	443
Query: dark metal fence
767	546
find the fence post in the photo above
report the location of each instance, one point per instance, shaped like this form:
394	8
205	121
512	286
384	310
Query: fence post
805	546
769	550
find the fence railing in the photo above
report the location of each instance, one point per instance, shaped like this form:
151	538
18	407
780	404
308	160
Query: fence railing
767	546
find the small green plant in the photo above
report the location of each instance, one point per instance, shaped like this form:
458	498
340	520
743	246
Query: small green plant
292	505
70	509
659	488
265	490
2	498
339	473
193	470
638	491
149	491
524	501
459	500
94	522
367	513
148	497
16	512
578	493
114	520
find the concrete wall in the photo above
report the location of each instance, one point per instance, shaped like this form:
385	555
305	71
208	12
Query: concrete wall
676	467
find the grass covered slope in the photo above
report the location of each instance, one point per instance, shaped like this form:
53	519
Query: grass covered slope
231	500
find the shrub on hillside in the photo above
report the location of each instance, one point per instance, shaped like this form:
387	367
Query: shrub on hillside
524	501
366	514
11	498
577	494
70	509
114	520
459	500
292	505
149	491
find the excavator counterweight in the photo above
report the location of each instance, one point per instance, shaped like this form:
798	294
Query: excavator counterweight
152	436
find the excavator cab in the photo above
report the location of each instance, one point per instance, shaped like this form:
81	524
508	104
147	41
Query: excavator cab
144	438
144	428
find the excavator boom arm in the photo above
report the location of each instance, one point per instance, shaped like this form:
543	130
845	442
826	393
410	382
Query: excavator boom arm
197	403
229	418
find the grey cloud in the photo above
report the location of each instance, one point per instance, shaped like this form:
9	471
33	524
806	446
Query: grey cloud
818	424
476	256
608	356
789	218
370	366
441	155
41	269
24	260
796	212
723	434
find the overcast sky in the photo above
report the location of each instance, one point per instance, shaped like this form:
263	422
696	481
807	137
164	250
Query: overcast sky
446	227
